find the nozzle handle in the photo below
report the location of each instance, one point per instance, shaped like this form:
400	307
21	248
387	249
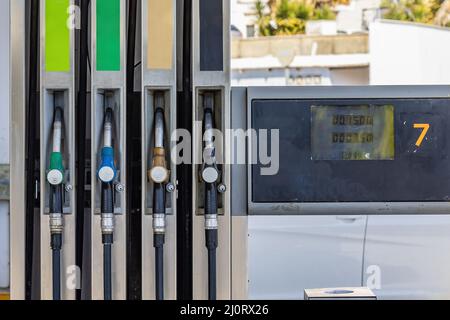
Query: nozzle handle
55	175
107	170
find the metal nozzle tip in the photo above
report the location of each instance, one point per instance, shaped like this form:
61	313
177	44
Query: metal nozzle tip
108	114
208	101
159	100
58	115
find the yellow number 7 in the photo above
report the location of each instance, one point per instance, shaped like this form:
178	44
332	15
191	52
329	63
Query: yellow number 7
425	127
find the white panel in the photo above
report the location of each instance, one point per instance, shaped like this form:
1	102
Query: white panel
4	244
408	257
4	138
4	82
287	254
406	53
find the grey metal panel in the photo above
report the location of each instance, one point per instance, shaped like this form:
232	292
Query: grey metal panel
211	78
17	147
348	92
211	35
345	92
238	182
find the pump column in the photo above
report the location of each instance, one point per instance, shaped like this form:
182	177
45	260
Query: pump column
211	110
57	149
158	171
108	115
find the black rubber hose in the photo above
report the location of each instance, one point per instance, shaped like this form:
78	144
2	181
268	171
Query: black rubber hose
159	207
56	199
107	200
158	241
211	236
56	240
107	206
212	271
56	206
210	198
107	267
159	199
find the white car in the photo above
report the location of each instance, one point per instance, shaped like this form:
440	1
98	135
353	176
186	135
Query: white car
398	257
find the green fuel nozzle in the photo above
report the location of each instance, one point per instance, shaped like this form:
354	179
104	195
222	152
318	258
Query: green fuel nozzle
55	175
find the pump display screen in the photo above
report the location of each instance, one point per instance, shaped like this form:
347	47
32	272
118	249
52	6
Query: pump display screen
350	150
364	132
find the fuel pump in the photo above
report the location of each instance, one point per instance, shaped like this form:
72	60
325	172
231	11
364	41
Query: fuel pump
210	58
55	178
210	176
108	254
159	222
159	175
106	174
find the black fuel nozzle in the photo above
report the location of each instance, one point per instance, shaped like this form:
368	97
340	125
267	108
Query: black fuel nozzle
55	178
107	173
210	176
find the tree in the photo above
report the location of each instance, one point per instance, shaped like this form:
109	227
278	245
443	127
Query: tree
443	14
289	17
423	11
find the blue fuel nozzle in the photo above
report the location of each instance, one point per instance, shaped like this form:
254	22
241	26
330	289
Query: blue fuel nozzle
107	171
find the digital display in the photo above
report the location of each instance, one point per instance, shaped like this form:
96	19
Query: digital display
364	132
321	140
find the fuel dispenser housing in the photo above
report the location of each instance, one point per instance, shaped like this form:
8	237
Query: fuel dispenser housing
108	90
159	90
211	75
57	81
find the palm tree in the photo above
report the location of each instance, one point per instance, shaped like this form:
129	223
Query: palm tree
272	4
259	8
443	14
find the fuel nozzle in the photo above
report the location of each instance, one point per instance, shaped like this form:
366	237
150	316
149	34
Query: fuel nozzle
107	170
107	173
55	175
55	178
159	173
210	172
210	176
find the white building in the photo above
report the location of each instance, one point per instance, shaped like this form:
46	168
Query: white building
409	53
301	60
396	52
357	16
351	18
243	16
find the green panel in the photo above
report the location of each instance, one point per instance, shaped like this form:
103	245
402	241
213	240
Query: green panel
57	36
108	35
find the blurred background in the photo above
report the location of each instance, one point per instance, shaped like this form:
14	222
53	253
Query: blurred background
299	42
340	42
